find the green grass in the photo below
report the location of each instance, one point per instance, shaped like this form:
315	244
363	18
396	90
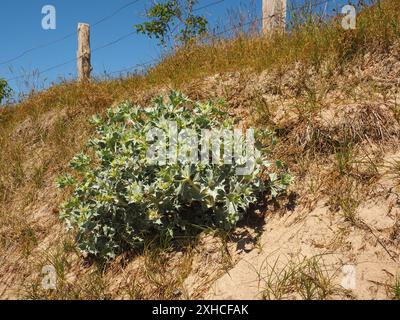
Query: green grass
396	288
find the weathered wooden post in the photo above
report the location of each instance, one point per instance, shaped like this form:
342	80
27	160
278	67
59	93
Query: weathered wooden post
274	15
84	55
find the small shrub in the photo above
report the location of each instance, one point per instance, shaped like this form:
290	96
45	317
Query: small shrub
5	90
122	195
166	16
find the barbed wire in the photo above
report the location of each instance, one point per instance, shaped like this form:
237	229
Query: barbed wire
109	44
309	5
210	37
215	35
208	5
135	67
42	46
264	18
106	45
112	15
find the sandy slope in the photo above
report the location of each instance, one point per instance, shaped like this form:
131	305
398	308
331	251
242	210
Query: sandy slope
308	233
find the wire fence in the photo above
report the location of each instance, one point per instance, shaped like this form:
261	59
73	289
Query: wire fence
70	35
307	6
217	35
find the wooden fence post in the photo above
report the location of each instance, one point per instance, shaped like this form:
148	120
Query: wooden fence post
274	15
84	55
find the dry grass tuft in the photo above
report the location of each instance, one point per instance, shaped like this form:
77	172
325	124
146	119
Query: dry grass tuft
307	279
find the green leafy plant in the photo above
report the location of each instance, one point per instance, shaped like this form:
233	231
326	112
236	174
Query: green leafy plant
123	196
5	90
165	17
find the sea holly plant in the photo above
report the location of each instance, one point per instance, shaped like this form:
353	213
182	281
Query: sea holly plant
163	170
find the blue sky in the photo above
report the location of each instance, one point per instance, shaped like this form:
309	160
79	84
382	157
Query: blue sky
20	22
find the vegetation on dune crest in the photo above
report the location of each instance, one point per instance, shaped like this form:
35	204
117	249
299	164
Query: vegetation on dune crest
316	42
127	194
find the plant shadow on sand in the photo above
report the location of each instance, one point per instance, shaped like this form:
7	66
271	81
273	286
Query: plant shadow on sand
244	236
251	227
